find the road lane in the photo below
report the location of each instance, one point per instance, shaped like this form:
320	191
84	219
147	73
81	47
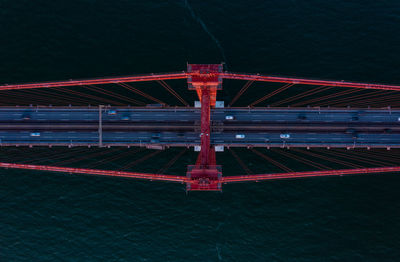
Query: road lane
180	126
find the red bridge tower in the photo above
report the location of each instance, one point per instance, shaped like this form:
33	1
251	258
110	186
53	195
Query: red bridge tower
206	80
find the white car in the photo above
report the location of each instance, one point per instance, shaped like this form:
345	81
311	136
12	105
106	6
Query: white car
284	136
240	136
229	118
35	134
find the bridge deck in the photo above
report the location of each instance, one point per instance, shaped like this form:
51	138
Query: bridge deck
261	127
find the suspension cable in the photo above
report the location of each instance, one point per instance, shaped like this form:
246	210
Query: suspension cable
241	163
379	100
359	158
276	163
360	99
301	95
109	159
45	99
302	160
137	91
112	94
172	91
57	97
374	155
51	156
333	160
25	97
242	90
61	89
346	92
283	88
343	101
140	160
171	162
86	156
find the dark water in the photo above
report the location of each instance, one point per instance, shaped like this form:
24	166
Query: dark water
47	217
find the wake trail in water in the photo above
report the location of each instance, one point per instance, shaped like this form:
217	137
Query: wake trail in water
203	25
218	252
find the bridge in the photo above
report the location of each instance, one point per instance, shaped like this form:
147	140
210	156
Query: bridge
208	127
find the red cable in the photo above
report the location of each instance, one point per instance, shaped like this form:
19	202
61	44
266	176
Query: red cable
117	96
109	159
387	157
301	95
140	160
380	100
137	91
87	171
340	172
88	96
283	88
172	91
310	101
28	99
360	158
65	98
50	156
331	159
242	90
344	101
281	166
241	163
171	162
86	156
303	160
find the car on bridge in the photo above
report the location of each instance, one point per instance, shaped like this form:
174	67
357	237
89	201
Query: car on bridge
302	117
35	134
240	136
26	115
156	135
284	136
229	118
125	117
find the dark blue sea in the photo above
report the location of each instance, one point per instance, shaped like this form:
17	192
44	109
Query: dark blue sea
56	217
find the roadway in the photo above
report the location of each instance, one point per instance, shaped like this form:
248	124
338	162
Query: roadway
261	127
16	114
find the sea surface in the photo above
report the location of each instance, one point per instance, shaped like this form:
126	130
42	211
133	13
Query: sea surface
55	217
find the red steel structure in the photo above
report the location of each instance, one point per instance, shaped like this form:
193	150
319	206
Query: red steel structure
187	75
198	184
206	79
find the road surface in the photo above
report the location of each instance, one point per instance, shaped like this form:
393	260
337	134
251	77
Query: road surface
261	127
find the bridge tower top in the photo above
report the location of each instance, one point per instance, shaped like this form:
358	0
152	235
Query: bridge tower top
205	76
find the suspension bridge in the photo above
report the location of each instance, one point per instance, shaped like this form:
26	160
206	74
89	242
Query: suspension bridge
291	121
